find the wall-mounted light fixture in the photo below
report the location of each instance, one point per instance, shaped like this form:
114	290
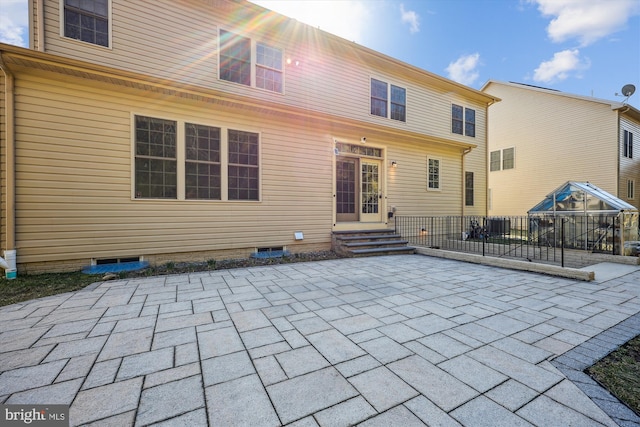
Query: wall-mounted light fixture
394	164
423	231
363	139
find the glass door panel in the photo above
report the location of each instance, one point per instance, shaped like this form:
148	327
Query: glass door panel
347	202
370	192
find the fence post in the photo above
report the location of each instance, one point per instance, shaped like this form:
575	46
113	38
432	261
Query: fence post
484	233
613	238
562	242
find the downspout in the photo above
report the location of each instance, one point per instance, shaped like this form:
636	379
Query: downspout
10	158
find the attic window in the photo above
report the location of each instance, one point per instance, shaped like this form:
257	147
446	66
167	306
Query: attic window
87	21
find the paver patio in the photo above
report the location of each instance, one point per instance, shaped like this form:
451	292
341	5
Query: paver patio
383	341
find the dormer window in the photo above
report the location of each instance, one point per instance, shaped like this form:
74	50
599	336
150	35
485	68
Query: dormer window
87	21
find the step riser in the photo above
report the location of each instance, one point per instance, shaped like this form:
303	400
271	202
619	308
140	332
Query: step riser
363	243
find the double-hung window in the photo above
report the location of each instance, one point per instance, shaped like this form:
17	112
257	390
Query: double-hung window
243	165
155	158
433	173
199	163
202	164
463	120
250	63
87	21
508	158
494	161
388	100
628	144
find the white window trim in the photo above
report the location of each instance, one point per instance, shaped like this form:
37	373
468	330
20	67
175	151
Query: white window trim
181	157
254	61
110	17
439	173
389	84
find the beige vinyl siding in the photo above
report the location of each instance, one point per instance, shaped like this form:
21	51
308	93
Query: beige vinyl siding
629	168
556	139
74	180
178	41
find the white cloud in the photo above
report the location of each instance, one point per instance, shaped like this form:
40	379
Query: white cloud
410	17
11	33
348	19
586	20
14	22
563	64
464	70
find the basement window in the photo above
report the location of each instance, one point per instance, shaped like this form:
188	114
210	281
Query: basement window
270	252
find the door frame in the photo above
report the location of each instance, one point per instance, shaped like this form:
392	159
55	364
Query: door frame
362	221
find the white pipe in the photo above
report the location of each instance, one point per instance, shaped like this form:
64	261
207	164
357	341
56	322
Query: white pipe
4	264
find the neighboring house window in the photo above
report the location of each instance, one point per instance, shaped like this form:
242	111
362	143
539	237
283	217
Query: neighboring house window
508	158
243	165
235	62
381	92
87	21
628	144
631	184
494	161
155	158
202	167
463	125
468	188
433	174
456	119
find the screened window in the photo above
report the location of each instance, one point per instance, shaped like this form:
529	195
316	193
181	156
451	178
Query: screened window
202	168
494	161
468	188
628	144
243	165
155	158
87	20
456	119
433	174
381	94
508	158
631	190
470	122
268	68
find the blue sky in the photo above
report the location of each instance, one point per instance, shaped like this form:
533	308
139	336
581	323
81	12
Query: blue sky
584	47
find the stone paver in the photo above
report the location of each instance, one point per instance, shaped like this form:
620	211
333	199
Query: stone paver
383	341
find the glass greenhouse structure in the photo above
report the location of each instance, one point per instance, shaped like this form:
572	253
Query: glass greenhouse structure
580	215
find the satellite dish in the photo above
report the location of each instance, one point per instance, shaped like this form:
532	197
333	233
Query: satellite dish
628	90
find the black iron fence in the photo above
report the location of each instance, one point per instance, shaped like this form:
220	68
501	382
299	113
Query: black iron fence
533	238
